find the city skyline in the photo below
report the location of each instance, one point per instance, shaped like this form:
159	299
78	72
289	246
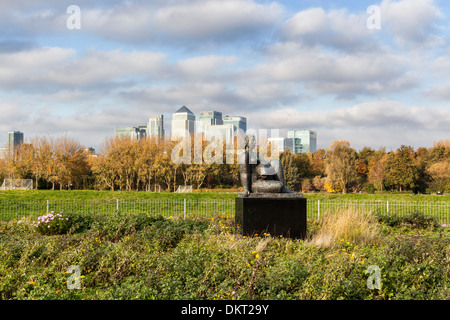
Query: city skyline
288	65
212	123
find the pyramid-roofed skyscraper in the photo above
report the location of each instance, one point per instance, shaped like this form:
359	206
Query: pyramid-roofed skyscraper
183	123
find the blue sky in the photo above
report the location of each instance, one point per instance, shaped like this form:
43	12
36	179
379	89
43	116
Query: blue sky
282	64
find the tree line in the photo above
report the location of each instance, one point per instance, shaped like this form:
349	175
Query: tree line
130	165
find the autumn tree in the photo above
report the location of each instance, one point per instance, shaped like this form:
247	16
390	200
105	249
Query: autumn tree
291	176
317	162
114	168
303	164
71	162
440	176
377	174
401	172
319	183
341	165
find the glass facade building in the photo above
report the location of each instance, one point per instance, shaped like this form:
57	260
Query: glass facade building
136	133
207	119
155	126
237	122
304	141
15	139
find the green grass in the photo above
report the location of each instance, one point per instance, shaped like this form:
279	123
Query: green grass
378	196
130	257
42	195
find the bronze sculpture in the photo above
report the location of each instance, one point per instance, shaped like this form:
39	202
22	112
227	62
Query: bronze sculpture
260	176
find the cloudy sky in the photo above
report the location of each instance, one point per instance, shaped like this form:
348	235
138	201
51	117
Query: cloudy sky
299	64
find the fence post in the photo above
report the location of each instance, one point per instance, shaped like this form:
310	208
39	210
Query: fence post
117	205
185	208
47	206
318	209
387	206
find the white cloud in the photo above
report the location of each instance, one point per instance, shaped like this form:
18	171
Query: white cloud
337	28
204	67
203	19
56	68
411	22
331	72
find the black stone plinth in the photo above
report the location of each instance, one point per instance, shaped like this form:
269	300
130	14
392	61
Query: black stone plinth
276	215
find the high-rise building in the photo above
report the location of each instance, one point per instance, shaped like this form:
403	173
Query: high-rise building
15	139
207	119
136	133
183	122
237	122
155	126
304	141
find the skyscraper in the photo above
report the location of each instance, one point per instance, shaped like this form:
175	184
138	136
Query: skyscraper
207	119
183	121
304	141
237	122
155	126
130	132
15	139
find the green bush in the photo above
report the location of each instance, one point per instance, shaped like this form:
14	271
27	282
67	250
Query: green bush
52	223
118	225
414	220
390	220
370	189
420	221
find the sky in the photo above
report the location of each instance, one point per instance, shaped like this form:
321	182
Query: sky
287	65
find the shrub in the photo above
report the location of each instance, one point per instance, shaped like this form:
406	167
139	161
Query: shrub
51	223
370	188
79	222
415	220
389	220
418	220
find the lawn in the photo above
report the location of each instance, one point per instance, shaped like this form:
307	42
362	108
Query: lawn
42	195
132	257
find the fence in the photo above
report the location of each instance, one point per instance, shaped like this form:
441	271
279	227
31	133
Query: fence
10	210
440	210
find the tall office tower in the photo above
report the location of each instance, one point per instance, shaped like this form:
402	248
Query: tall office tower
237	122
207	119
136	133
15	139
155	126
183	121
304	141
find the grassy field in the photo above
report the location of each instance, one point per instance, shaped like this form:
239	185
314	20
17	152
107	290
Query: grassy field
42	195
130	257
19	204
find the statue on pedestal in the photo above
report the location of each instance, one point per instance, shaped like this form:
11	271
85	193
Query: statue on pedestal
261	176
